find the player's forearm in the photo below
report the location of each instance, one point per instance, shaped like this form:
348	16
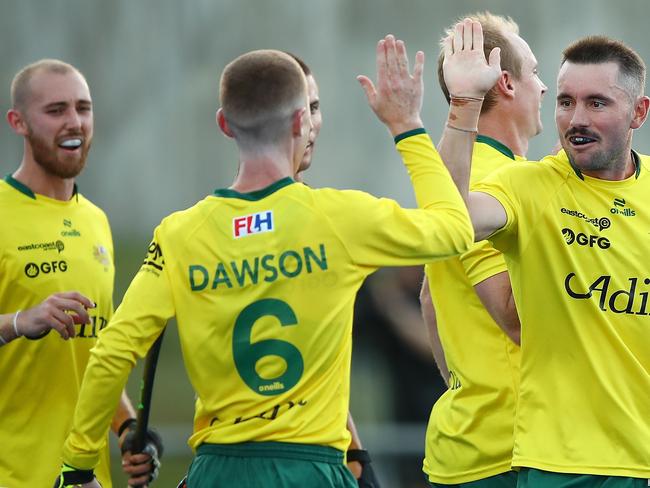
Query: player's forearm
7	333
355	441
100	393
124	412
451	231
457	141
431	323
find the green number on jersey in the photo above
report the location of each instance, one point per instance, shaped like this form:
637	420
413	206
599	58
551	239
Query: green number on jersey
247	354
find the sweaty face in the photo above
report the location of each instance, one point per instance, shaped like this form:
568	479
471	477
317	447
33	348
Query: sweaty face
529	89
593	116
59	122
316	122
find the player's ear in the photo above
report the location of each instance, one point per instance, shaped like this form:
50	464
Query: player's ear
505	84
300	122
640	112
17	122
223	124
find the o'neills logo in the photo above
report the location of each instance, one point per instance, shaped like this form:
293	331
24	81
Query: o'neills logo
629	300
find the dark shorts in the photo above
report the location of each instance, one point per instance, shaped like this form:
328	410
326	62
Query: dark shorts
503	480
268	464
535	478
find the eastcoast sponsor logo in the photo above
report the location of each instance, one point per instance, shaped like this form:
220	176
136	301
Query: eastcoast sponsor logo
581	239
43	246
632	299
601	223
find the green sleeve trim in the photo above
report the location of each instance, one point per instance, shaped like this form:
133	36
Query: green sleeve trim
499	146
409	133
257	194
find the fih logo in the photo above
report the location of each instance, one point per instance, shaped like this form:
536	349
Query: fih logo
32	270
626	212
581	239
253	224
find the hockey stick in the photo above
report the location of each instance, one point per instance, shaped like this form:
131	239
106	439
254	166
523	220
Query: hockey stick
146	390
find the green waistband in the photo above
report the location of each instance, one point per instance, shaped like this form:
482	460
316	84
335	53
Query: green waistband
287	450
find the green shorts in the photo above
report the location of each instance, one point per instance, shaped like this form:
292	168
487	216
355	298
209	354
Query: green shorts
535	478
503	480
272	464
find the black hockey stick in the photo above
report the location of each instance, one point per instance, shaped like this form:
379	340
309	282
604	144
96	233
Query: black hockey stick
146	390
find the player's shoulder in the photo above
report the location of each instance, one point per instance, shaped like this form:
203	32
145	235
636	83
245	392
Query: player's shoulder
90	209
182	219
334	196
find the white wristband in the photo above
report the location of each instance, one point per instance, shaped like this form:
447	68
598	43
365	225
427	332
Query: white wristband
16	324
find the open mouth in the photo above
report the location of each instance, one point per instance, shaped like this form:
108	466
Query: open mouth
71	144
581	140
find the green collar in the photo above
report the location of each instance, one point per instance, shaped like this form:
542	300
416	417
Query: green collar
502	148
25	190
257	194
635	158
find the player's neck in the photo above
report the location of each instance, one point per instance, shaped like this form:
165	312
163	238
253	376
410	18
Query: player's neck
261	170
34	177
504	129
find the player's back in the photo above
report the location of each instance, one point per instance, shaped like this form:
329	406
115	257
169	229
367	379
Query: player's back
263	289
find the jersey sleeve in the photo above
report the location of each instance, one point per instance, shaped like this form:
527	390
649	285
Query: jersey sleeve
138	321
378	232
502	185
482	261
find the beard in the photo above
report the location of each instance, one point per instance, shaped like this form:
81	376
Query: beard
613	157
47	156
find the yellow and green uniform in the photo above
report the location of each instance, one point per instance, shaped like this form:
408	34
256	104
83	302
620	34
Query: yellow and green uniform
47	246
262	285
470	431
576	254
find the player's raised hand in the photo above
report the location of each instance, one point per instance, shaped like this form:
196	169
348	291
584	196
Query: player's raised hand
396	99
59	311
466	71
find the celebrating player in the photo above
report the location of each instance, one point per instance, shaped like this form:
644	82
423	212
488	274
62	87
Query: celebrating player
470	432
262	277
54	240
571	228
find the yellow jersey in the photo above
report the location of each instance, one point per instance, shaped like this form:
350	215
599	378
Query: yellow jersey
575	250
47	246
470	431
262	285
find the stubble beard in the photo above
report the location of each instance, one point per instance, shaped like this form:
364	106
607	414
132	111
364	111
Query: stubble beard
46	155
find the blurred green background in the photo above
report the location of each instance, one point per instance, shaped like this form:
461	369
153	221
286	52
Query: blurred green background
153	68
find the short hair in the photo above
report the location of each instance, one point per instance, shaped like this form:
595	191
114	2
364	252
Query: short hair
495	30
260	90
20	89
303	66
602	49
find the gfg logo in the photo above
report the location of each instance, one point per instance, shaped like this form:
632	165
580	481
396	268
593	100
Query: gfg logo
584	239
32	270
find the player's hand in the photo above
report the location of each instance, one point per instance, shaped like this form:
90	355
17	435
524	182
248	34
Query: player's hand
359	458
60	311
467	73
141	468
397	97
